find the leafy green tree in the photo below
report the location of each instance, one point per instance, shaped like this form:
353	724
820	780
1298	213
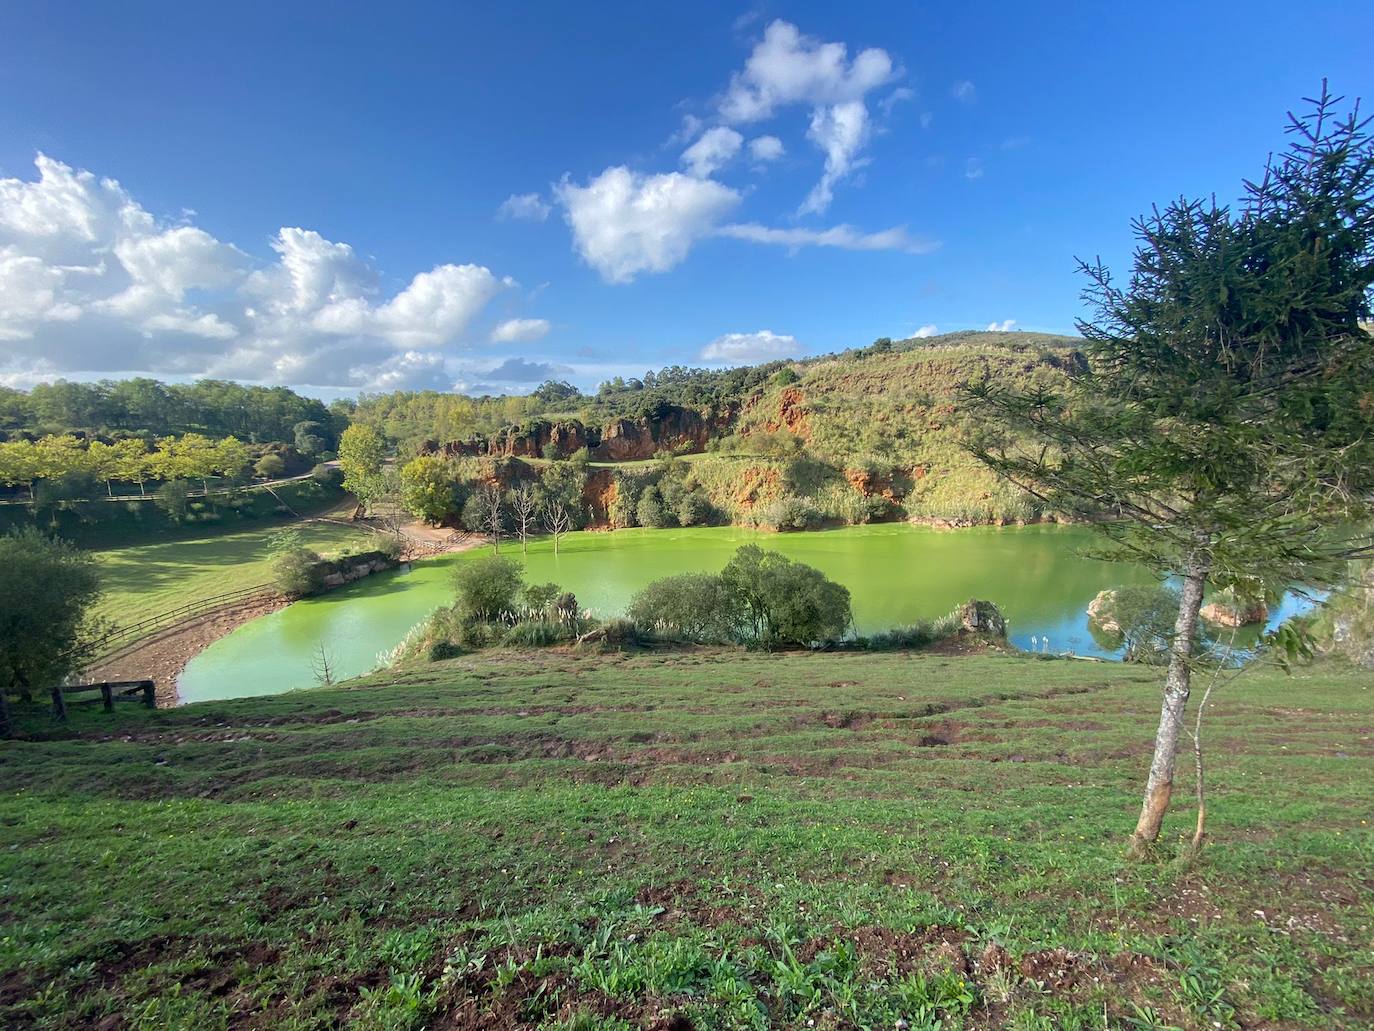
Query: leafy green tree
309	438
429	488
1224	431
57	456
362	450
650	511
19	464
103	461
788	603
488	587
231	459
133	464
46	628
193	456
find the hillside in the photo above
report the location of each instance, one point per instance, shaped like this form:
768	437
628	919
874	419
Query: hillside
700	839
870	433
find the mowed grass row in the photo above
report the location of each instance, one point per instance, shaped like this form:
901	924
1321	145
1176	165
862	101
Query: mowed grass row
691	839
146	578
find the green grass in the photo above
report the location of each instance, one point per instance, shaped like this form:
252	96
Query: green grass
143	579
706	839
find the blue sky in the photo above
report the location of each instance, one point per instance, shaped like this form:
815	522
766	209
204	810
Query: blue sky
346	197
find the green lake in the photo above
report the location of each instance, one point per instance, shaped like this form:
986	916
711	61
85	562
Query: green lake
896	574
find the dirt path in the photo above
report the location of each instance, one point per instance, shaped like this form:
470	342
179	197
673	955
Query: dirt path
163	656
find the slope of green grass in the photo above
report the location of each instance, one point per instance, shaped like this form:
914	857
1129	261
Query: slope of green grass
690	839
143	579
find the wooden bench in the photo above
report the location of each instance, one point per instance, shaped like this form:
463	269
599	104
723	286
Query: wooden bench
109	691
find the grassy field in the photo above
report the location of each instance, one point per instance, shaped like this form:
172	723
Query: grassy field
148	577
690	839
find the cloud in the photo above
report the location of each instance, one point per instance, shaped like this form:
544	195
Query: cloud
713	150
526	207
845	237
841	132
520	331
964	91
766	148
973	169
897	96
624	223
928	330
750	348
518	370
787	68
91	282
1005	326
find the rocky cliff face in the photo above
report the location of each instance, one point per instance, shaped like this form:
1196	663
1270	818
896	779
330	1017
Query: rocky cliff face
622	440
673	429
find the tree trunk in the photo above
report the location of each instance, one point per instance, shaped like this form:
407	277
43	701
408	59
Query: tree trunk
1160	787
6	720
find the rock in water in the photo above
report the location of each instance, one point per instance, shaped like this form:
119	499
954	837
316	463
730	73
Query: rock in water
983	617
1101	611
1229	613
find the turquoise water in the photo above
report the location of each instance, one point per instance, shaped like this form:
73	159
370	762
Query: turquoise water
896	574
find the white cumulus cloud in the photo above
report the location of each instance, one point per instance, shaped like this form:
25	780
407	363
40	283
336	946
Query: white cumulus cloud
1005	326
786	68
514	331
713	150
766	148
624	223
91	282
928	330
750	348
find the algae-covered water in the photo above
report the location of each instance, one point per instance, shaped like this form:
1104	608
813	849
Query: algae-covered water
896	574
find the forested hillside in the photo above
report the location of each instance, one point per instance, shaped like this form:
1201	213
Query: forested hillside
870	433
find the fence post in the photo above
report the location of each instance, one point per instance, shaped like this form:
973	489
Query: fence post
148	699
107	696
59	704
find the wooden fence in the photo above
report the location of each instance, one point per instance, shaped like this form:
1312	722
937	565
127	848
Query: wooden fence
109	692
125	635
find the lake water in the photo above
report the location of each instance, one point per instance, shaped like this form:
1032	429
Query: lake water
896	574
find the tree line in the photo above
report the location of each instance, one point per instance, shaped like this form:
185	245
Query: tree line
215	408
74	462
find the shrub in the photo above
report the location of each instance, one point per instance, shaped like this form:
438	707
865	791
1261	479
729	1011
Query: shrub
327	475
693	508
691	606
790	513
296	573
488	587
391	547
650	511
270	466
441	650
535	633
172	499
538	599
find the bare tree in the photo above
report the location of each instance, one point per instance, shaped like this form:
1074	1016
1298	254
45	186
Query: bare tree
324	668
557	520
493	510
525	504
